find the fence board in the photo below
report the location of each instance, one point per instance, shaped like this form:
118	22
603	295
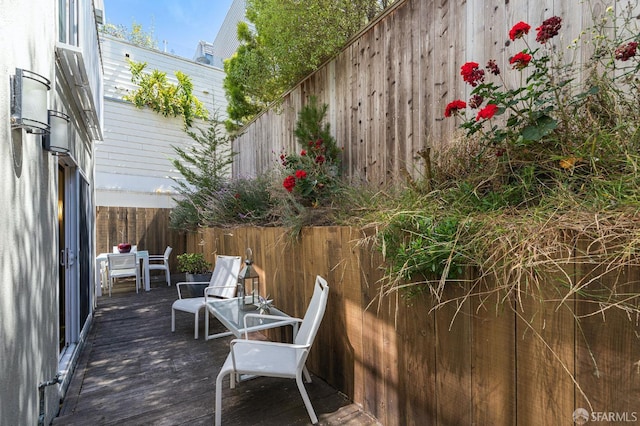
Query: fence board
453	359
148	228
388	88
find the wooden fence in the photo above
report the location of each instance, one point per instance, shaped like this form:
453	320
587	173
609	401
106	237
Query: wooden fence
146	227
387	90
409	366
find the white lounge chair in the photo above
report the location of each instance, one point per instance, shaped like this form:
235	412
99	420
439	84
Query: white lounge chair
273	359
223	284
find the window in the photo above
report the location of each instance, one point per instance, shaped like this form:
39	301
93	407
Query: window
68	22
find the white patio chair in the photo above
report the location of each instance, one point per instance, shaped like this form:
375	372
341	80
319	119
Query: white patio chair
122	265
273	359
159	262
223	284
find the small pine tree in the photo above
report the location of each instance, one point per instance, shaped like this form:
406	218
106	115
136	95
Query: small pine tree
204	166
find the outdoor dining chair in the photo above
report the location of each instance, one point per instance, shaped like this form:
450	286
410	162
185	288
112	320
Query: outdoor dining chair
161	262
274	359
223	284
120	265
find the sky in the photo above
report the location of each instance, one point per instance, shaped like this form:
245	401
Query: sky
182	23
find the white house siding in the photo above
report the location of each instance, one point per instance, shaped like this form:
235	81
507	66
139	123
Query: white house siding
133	164
29	291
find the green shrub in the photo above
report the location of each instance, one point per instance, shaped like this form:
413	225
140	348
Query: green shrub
193	263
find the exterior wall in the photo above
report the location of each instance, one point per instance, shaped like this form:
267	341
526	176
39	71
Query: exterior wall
226	42
133	164
29	285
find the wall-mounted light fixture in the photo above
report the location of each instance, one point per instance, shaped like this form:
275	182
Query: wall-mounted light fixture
57	141
29	101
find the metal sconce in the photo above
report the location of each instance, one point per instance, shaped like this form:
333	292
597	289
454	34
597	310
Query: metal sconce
248	284
29	101
57	141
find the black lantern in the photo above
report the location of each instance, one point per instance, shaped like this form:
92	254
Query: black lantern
248	283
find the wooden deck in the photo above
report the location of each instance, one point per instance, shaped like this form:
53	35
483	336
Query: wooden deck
134	371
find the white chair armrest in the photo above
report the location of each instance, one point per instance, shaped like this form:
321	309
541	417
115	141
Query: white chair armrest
266	343
289	320
215	288
185	283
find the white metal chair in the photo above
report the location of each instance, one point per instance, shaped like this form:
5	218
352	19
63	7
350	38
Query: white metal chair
223	284
161	262
274	359
120	265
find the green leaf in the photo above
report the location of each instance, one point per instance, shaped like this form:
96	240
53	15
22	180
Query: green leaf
543	126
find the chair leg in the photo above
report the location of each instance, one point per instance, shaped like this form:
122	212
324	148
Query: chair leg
195	327
173	320
305	398
307	376
168	277
218	414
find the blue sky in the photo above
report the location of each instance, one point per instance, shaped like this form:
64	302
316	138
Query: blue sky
182	23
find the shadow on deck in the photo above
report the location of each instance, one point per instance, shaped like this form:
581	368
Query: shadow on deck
134	371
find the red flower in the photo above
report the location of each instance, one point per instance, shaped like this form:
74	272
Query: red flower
471	73
626	51
519	30
548	29
303	152
520	60
301	174
454	107
289	183
319	142
487	112
320	159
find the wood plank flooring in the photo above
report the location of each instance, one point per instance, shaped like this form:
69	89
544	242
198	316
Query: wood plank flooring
134	371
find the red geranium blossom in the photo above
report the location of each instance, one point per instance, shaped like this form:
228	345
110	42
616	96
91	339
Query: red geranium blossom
301	174
626	51
487	112
320	159
548	29
303	153
289	183
454	107
519	30
520	60
471	73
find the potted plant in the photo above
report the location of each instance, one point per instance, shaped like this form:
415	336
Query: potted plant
195	267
